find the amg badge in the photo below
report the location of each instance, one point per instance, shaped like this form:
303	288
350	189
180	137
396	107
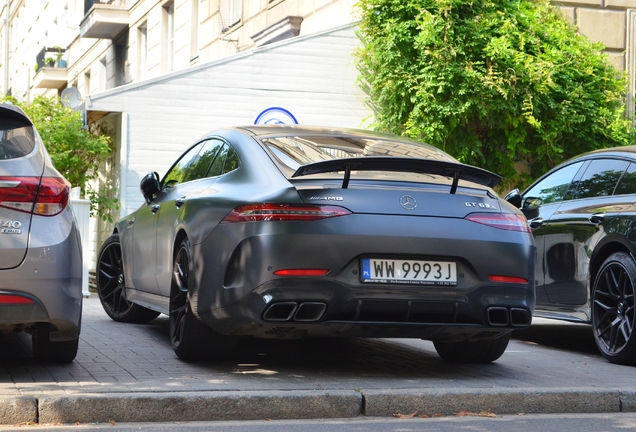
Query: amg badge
326	198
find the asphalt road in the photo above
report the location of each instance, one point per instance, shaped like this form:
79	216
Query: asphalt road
129	373
517	423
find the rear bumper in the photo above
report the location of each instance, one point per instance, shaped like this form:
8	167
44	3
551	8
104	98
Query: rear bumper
237	296
299	308
51	275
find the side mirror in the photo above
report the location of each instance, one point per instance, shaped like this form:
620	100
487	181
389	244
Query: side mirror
514	198
150	186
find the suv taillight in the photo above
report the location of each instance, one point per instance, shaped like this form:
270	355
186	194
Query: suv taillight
27	194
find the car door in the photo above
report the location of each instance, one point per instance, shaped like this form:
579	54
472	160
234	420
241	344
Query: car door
577	227
180	185
144	259
539	203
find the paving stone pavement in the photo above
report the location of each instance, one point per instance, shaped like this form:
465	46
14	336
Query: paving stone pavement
136	361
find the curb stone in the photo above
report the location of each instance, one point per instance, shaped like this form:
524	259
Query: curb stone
166	407
21	409
306	404
382	403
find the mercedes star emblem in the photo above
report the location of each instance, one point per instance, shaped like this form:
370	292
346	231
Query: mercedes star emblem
408	202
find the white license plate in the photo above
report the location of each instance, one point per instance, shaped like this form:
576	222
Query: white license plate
379	270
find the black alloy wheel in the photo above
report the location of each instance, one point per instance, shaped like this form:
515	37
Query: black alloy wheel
111	286
613	311
190	338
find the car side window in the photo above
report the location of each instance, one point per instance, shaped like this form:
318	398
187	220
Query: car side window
231	161
600	178
200	165
226	160
178	170
627	184
552	188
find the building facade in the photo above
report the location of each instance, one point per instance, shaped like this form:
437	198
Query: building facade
96	45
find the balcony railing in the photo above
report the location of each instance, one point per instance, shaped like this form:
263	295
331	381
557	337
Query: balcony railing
88	4
105	19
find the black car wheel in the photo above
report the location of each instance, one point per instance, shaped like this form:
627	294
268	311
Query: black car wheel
480	351
111	286
613	312
190	338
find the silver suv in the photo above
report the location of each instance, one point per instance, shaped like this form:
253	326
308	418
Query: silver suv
40	250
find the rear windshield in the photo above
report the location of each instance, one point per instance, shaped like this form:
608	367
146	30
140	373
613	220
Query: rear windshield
16	140
293	152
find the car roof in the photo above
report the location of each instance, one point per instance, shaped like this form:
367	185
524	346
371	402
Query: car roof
629	151
278	129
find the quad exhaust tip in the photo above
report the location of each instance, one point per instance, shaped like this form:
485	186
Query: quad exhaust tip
503	317
293	311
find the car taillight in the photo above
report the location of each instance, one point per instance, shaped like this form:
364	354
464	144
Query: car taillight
283	212
509	222
14	299
301	272
507	279
27	194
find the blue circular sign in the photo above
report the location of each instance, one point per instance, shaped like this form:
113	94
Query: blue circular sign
275	115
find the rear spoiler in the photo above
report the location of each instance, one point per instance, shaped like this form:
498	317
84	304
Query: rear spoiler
457	171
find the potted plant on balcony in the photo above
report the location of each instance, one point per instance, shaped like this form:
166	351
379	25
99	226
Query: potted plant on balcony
58	57
49	62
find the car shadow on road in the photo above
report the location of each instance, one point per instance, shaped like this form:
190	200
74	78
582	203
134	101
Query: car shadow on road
555	334
344	357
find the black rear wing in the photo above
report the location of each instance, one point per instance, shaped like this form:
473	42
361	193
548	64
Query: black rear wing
456	171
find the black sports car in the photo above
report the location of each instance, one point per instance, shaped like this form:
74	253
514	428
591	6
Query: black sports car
583	217
287	232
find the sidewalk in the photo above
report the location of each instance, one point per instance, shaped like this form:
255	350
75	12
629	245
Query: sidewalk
129	373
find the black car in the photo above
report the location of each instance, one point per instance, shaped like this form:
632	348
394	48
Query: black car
288	232
583	218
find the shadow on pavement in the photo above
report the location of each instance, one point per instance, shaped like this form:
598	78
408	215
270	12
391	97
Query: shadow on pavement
561	335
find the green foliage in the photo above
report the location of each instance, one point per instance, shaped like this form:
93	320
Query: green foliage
76	151
506	85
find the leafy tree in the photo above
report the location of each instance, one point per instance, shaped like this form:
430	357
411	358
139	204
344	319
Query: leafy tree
75	150
507	85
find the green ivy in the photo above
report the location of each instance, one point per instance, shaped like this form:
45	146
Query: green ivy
75	150
510	86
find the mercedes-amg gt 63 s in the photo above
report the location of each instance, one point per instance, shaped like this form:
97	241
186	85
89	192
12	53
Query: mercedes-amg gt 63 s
583	217
290	232
40	249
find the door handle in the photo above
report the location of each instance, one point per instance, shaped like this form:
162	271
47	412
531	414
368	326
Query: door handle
179	202
597	218
155	208
536	222
131	221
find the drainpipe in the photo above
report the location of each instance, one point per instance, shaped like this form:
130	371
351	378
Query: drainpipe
5	61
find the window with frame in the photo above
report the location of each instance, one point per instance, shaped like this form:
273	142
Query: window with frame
600	179
168	36
627	183
552	188
179	170
225	161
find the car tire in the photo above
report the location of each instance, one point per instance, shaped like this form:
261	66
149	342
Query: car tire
111	286
47	351
190	338
613	309
480	351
